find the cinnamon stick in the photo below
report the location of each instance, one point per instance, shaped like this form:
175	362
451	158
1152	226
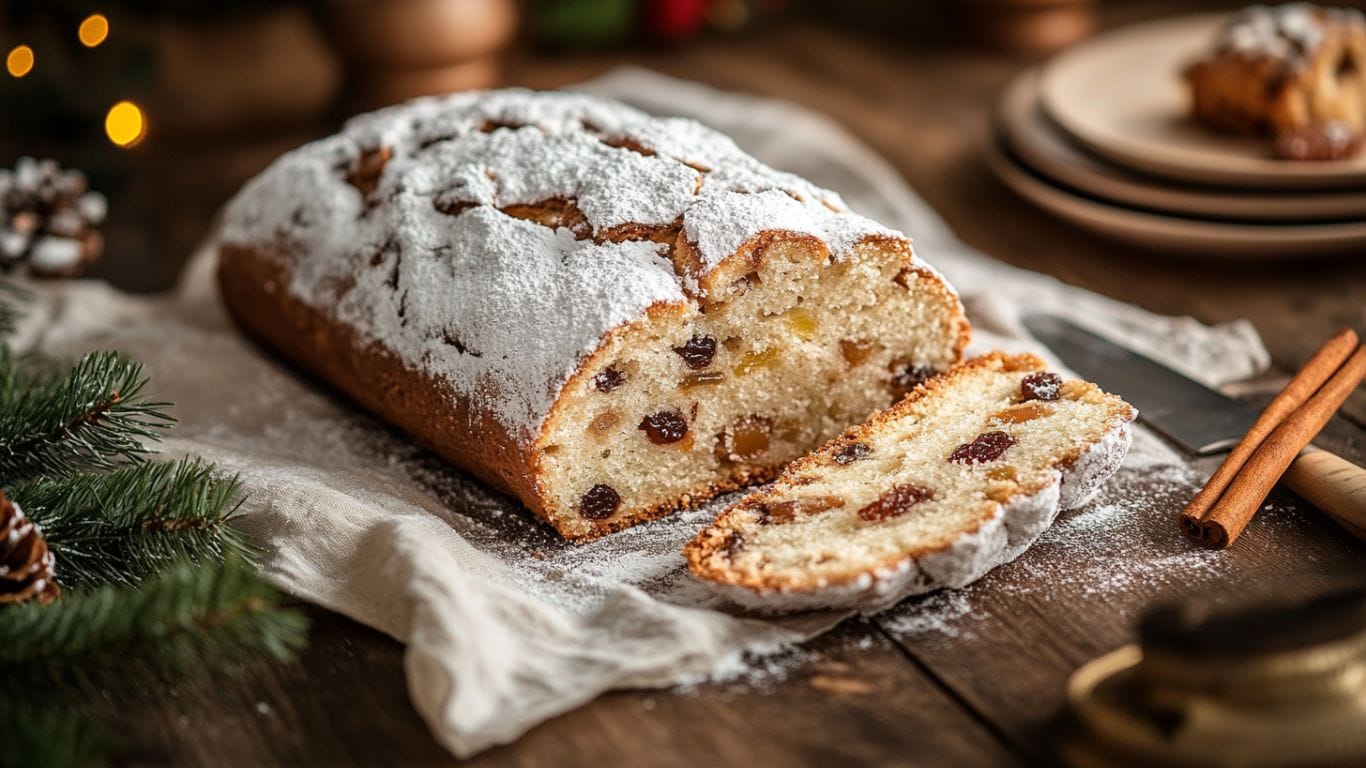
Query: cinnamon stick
1319	369
1230	515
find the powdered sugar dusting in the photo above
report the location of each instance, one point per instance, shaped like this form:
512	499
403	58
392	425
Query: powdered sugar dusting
396	226
1124	541
1289	32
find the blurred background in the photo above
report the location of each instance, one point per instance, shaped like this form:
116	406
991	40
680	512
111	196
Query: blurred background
167	106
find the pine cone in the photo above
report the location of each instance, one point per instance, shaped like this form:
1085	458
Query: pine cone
48	219
26	564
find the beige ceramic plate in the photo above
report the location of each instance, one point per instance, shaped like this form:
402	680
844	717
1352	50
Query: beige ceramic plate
1170	233
1121	95
1036	141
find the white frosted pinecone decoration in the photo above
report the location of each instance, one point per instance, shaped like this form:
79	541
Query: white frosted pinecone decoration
48	219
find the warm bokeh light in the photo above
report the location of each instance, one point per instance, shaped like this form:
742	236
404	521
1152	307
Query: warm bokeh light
125	124
19	62
93	30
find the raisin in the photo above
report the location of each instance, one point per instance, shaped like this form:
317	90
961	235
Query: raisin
701	378
600	503
1040	386
1018	414
664	427
698	352
609	379
895	503
787	511
749	438
907	376
856	351
987	446
852	453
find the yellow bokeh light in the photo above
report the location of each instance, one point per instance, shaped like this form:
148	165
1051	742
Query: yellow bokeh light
19	62
93	30
125	124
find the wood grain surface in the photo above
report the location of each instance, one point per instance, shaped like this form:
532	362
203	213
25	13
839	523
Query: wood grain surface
890	691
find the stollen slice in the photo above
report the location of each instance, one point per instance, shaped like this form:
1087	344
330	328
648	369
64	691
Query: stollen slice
962	475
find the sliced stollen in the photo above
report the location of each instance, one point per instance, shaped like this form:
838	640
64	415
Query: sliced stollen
605	314
960	476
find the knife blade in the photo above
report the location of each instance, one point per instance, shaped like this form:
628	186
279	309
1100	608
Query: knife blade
1197	418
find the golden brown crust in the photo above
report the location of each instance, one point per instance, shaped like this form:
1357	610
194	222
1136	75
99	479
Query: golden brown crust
709	550
253	286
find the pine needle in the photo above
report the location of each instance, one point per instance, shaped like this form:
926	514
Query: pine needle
93	416
187	617
123	526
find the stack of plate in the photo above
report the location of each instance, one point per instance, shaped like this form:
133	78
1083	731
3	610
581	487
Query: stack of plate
1101	136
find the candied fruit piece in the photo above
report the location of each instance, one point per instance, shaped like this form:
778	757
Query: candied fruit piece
895	503
664	427
907	376
698	352
609	379
787	511
1001	492
1019	414
603	422
701	379
600	503
1041	386
987	446
749	438
753	361
1006	473
852	453
856	351
802	324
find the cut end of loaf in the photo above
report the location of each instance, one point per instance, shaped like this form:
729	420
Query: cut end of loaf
962	475
699	399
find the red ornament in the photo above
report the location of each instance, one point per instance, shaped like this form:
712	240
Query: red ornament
675	19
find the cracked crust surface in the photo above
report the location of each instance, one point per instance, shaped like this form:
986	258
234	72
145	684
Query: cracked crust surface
885	510
558	293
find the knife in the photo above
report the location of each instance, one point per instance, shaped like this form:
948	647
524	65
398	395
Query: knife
1197	418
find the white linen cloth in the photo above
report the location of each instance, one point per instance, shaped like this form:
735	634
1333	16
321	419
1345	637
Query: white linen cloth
505	625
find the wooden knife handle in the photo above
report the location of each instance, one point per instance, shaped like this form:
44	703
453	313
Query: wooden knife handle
1334	485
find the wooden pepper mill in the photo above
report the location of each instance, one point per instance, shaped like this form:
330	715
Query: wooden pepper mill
1028	26
398	49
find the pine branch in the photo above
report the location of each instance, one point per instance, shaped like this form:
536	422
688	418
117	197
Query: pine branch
93	416
187	617
125	525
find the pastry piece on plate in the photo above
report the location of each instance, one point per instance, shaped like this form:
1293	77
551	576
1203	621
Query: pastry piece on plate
959	477
604	314
1296	72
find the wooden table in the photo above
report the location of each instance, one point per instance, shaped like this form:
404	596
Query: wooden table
880	691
